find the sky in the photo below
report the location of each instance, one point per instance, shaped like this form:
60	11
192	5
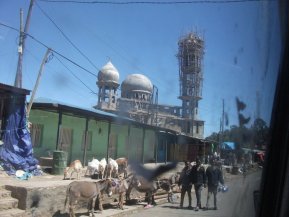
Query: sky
242	47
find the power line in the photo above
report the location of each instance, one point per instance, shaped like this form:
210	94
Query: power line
54	69
75	75
156	2
44	45
66	37
122	53
56	52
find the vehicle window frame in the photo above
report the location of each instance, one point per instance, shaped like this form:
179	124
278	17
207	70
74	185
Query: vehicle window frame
274	189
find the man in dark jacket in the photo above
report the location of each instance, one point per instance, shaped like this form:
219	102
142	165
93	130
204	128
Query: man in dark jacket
199	179
186	184
214	176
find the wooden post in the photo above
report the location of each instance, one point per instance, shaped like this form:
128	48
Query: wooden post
37	82
156	147
85	142
21	48
58	129
18	77
108	140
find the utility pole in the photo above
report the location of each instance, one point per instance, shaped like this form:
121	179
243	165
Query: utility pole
18	78
223	116
21	45
221	134
37	82
258	103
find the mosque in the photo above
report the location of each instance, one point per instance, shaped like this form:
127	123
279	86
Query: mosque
139	97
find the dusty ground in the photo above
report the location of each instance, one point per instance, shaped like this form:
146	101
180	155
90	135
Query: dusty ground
43	195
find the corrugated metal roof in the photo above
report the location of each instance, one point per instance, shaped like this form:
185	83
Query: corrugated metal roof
8	89
43	100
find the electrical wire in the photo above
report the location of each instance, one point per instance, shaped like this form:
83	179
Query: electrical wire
54	69
66	37
69	61
122	53
54	51
44	45
76	76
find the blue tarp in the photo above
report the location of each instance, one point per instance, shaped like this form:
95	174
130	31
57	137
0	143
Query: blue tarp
16	152
228	146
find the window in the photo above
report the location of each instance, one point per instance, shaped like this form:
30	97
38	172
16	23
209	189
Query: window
65	138
36	134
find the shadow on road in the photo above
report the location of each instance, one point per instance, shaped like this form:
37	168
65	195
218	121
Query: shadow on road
171	207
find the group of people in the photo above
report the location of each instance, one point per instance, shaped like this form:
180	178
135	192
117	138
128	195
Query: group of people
201	178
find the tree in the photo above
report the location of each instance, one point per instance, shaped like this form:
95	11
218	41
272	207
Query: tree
254	137
260	132
240	107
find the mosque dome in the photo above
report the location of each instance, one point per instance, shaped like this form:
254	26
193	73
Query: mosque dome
108	73
137	83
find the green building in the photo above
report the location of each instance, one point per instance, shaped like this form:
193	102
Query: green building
89	133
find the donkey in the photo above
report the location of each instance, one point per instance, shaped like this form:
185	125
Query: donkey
92	167
74	167
168	184
122	166
89	191
102	168
120	189
147	179
144	186
111	168
123	188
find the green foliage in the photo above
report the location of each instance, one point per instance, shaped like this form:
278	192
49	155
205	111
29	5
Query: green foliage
255	136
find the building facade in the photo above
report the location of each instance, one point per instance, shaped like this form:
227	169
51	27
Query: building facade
190	57
139	97
89	133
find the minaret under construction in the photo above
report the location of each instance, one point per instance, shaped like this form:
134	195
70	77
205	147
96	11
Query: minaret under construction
190	57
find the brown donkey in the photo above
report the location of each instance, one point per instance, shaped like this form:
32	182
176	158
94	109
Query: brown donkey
89	191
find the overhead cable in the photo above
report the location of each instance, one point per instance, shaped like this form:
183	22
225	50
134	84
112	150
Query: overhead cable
44	45
66	37
75	75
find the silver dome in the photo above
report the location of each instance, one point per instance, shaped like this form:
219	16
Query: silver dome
108	73
137	83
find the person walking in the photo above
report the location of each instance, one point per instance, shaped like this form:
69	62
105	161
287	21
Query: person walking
214	177
199	179
186	184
